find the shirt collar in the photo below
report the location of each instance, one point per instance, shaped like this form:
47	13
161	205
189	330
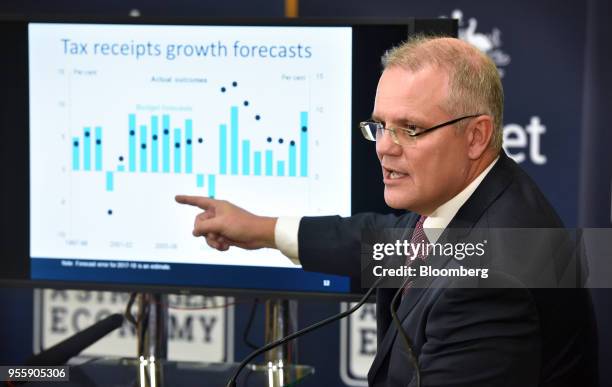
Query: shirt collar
438	220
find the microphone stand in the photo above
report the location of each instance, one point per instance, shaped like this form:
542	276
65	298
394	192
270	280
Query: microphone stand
152	332
267	347
280	363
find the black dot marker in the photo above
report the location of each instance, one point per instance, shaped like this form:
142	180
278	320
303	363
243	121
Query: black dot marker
269	139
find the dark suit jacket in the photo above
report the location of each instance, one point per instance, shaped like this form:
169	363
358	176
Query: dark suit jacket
462	336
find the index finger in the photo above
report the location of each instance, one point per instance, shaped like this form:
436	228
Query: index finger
202	202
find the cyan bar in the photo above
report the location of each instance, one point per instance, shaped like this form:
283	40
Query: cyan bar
177	150
143	148
269	161
211	186
188	146
292	159
280	168
234	139
304	144
87	148
223	149
110	185
246	157
200	180
120	168
257	163
166	143
75	154
98	148
154	144
132	138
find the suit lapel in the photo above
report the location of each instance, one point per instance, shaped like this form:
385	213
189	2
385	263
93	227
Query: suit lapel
385	345
408	303
487	192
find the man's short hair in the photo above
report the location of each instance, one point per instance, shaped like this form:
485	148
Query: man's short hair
474	82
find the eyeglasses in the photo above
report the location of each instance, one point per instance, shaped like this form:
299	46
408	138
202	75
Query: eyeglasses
373	130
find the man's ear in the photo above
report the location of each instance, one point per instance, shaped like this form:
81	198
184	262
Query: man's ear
479	136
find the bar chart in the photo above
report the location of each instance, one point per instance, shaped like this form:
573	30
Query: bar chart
115	138
173	152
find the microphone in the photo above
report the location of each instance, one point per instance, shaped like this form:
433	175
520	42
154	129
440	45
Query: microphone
267	347
60	353
407	342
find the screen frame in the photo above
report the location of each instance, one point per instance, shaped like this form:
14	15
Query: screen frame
365	67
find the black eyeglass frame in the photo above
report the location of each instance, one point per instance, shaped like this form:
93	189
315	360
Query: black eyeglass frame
411	132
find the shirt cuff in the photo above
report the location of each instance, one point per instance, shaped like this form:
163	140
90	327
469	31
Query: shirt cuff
286	236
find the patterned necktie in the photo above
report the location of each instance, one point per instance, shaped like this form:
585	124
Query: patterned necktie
418	237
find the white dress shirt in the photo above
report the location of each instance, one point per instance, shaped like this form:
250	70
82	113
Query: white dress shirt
287	227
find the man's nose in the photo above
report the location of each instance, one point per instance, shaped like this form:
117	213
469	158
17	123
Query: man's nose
386	145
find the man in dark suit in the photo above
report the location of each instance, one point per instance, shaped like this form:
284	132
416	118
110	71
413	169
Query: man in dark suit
437	125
